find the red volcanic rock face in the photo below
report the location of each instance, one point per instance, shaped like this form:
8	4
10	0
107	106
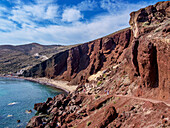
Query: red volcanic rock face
148	67
144	47
149	16
78	63
150	53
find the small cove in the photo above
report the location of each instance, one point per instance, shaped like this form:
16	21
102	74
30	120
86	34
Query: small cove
17	96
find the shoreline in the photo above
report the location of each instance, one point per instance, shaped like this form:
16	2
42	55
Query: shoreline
58	84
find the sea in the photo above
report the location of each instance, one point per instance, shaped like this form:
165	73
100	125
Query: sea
17	97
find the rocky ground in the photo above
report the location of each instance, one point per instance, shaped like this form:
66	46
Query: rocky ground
123	78
98	105
82	110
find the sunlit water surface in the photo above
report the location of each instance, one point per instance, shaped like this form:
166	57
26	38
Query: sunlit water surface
17	96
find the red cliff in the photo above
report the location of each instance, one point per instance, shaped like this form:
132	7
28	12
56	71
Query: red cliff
78	63
133	89
145	47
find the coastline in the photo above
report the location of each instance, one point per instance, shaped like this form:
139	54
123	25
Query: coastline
59	84
62	85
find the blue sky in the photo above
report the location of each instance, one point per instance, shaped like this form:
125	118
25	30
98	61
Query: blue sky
63	22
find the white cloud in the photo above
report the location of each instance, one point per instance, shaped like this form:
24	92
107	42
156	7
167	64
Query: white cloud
31	13
7	25
41	11
51	12
14	1
111	5
2	8
71	14
75	33
117	7
72	33
87	5
20	16
36	11
44	2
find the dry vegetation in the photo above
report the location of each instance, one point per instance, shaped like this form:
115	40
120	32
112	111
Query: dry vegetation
14	58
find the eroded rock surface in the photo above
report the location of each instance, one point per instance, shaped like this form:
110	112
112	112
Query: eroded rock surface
150	26
132	63
78	63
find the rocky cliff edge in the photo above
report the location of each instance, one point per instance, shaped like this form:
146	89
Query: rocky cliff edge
123	77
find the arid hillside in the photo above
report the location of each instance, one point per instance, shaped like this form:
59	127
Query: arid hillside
15	58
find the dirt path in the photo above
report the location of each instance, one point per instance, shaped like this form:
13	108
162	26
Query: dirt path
144	99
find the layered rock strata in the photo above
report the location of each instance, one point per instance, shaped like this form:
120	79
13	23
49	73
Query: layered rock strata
78	63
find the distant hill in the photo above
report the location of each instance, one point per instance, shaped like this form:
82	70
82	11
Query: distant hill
15	58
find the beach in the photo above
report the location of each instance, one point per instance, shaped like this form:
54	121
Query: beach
59	84
63	85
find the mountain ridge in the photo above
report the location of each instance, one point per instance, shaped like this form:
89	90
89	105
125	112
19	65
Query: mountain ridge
14	58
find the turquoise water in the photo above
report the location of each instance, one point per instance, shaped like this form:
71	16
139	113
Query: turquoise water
17	96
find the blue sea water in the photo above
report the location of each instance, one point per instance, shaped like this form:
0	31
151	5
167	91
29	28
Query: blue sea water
17	96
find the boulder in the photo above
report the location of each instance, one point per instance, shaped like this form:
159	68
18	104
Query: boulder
40	107
48	100
98	103
51	125
70	117
54	110
34	122
109	115
78	100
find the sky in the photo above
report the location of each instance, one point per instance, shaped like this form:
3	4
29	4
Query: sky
63	22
